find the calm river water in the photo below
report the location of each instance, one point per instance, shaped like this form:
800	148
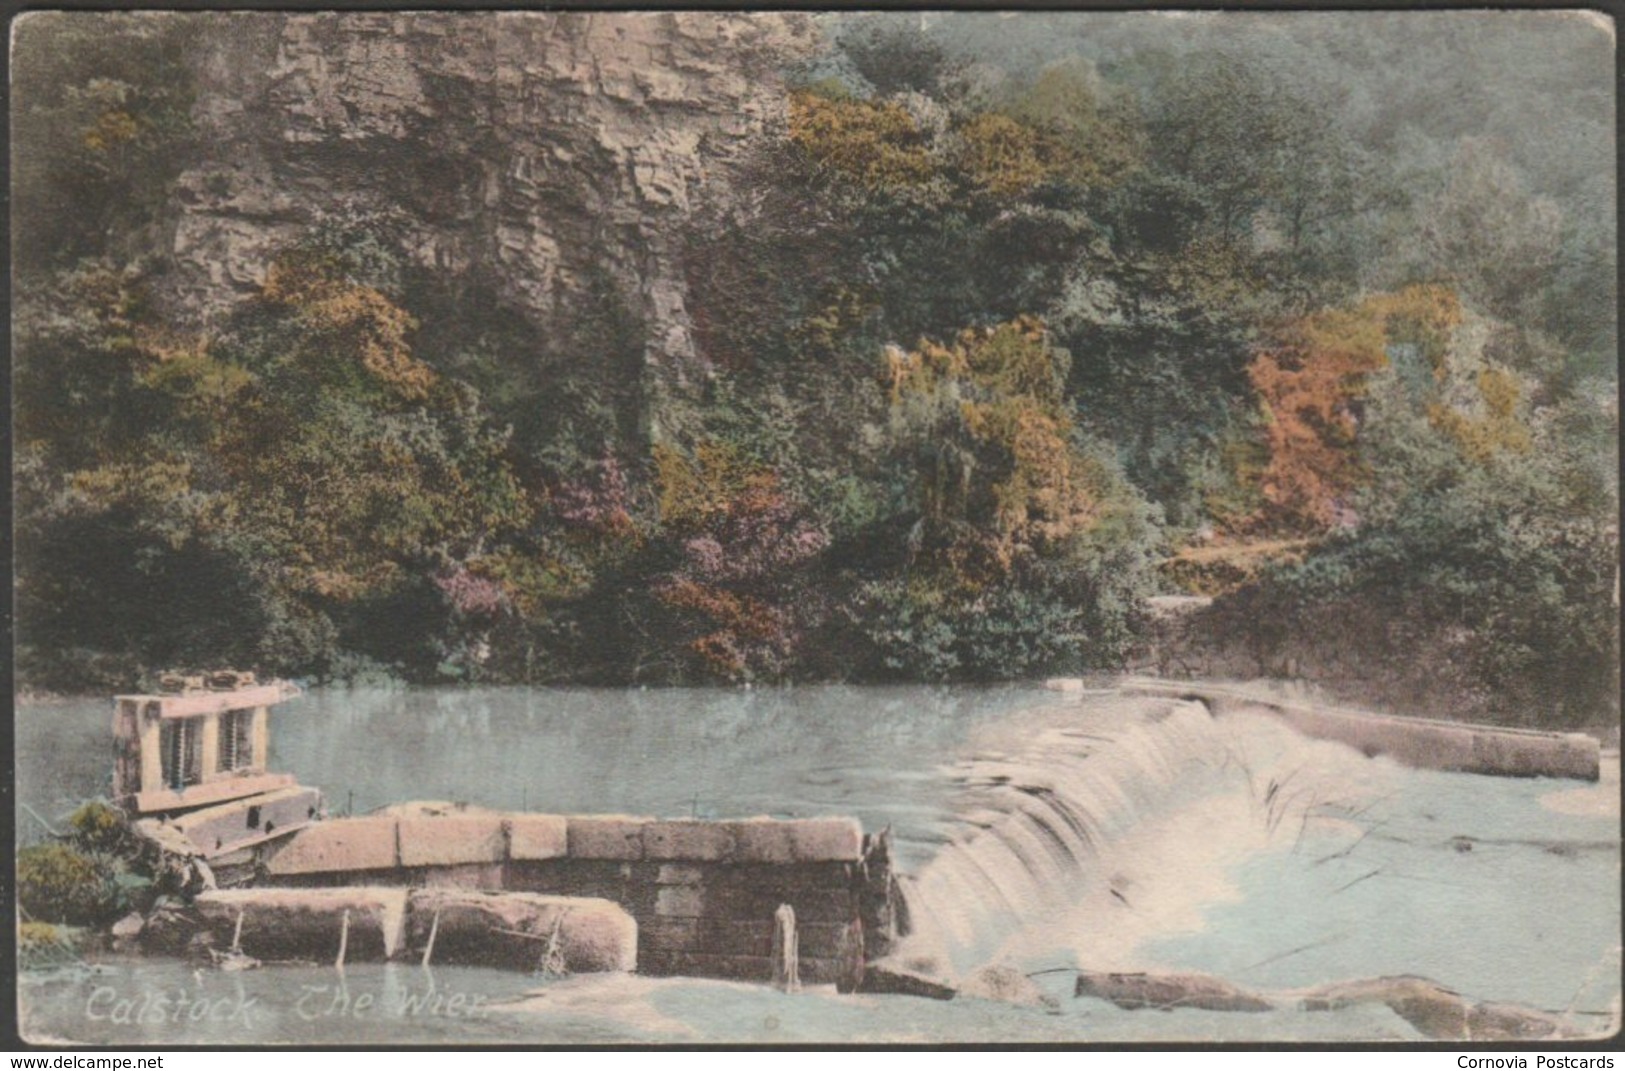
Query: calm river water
1235	847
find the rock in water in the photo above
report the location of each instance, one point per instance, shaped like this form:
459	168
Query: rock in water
1438	1012
894	978
1006	985
1169	991
1511	1022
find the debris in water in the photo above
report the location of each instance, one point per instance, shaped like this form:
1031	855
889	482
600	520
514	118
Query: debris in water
1168	991
1433	1010
895	978
1007	986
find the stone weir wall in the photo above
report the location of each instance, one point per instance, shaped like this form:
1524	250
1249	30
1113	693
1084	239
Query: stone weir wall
1424	743
703	893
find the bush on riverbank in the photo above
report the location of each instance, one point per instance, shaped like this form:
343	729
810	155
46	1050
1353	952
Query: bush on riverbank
89	876
58	883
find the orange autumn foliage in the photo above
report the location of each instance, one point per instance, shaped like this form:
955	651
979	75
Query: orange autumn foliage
1310	382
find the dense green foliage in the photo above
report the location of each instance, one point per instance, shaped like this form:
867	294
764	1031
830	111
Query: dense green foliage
994	324
87	877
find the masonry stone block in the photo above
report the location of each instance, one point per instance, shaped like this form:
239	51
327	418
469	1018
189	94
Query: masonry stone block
679	901
516	930
819	840
605	837
452	840
280	923
689	841
764	840
461	876
537	836
339	844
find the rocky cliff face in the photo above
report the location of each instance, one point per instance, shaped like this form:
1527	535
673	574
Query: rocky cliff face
522	149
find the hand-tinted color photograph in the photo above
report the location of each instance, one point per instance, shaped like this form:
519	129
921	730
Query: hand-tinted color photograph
697	528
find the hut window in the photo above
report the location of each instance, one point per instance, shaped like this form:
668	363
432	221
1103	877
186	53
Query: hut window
236	740
182	755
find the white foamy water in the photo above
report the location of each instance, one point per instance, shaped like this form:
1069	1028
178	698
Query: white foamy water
1082	838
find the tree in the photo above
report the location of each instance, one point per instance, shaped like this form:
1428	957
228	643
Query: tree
304	468
102	102
1311	380
1098	131
1485	231
1024	549
893	54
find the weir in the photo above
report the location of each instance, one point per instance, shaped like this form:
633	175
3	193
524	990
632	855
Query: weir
1039	826
1047	852
1425	743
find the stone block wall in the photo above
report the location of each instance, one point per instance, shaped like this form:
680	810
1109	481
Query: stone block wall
521	931
702	893
1424	743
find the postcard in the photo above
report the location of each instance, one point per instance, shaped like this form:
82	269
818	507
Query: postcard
765	527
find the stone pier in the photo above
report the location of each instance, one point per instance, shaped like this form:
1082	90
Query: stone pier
700	896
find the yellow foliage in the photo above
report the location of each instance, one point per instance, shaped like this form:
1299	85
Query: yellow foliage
151	480
532	582
112	128
1498	429
876	143
1005	157
1091	144
691	491
822	329
184	363
1422	315
359	317
1012	358
1006	389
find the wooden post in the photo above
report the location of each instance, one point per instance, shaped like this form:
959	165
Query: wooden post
127	757
434	928
344	940
261	735
849	958
209	760
786	954
237	934
152	749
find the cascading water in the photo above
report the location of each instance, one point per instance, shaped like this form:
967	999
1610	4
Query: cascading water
1090	826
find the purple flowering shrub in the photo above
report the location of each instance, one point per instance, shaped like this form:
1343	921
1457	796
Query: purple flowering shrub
737	580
